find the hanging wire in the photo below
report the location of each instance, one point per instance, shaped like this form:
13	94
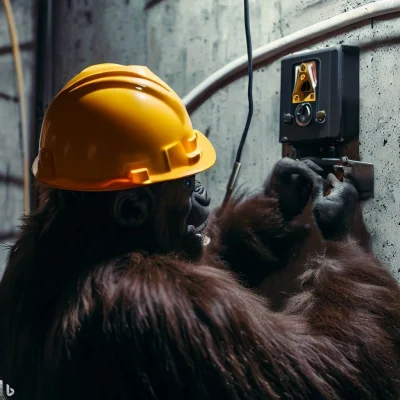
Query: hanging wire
237	165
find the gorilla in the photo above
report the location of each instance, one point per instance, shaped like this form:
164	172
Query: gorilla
122	285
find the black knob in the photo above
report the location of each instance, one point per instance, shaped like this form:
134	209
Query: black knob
303	114
288	118
320	117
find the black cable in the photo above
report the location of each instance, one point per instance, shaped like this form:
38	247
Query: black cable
250	84
236	167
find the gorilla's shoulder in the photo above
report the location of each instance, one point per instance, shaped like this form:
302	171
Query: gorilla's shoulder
137	281
148	289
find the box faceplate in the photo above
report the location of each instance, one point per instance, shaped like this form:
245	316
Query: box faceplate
320	96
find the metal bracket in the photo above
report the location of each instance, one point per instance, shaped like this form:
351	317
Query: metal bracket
361	173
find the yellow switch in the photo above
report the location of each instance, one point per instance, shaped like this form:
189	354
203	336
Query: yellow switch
305	83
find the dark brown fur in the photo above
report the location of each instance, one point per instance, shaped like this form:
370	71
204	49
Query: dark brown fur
253	240
89	311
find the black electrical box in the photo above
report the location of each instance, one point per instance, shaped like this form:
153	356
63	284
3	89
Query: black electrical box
320	96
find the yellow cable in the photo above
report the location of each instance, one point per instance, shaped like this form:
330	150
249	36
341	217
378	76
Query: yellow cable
22	103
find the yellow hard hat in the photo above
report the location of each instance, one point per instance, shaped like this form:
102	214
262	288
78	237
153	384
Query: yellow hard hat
116	127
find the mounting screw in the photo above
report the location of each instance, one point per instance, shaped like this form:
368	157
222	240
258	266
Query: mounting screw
321	116
288	118
284	139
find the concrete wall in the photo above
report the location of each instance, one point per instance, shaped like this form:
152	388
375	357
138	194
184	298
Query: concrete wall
184	43
11	160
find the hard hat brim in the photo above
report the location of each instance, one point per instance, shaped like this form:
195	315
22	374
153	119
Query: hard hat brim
206	161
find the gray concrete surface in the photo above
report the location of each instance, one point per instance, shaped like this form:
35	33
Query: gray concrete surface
11	161
183	44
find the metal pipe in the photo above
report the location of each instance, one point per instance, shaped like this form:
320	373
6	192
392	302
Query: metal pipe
22	100
44	76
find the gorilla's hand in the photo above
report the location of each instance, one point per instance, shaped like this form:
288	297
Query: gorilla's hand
334	214
291	181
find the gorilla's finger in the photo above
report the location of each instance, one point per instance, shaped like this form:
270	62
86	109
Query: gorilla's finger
348	172
333	181
343	190
351	191
315	167
348	175
289	166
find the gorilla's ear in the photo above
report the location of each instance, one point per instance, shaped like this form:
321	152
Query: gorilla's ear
131	207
